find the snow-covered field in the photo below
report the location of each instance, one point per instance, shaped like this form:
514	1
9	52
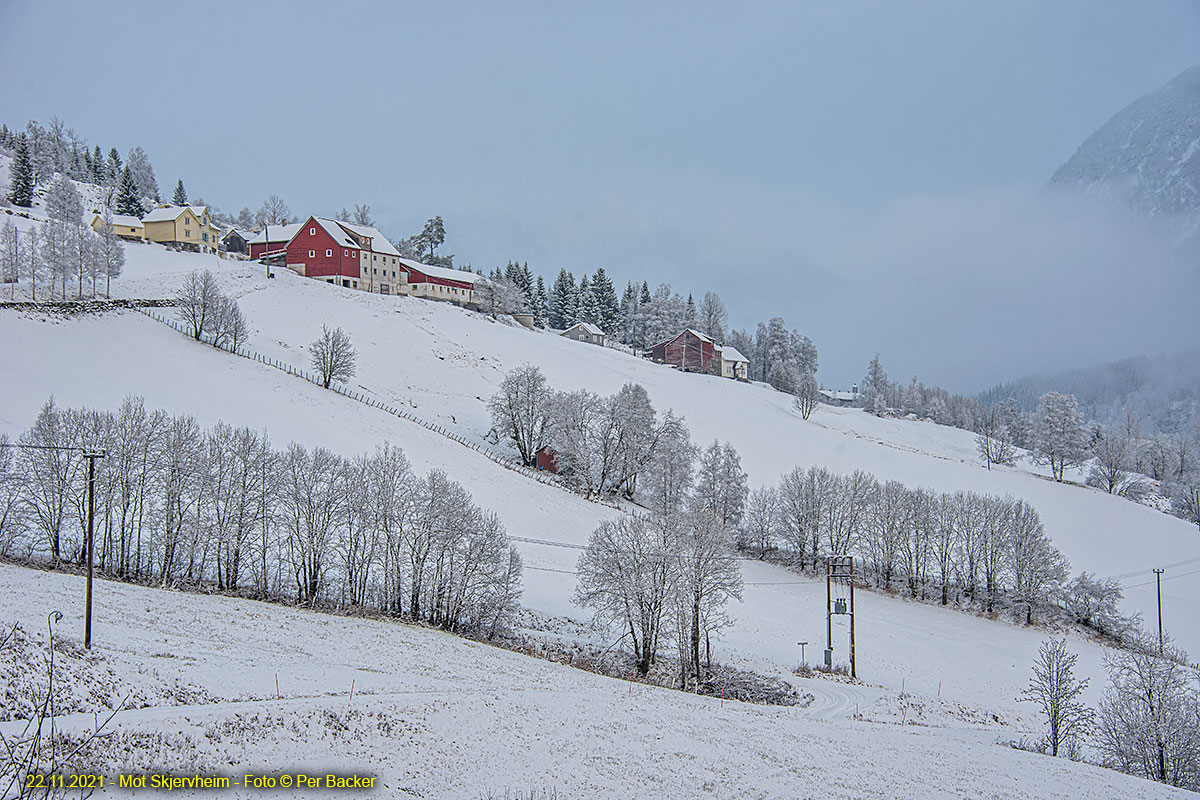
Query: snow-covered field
442	363
436	716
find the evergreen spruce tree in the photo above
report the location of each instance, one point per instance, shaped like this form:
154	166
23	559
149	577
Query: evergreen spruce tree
562	301
114	167
180	196
97	166
589	309
628	314
541	306
4	135
20	176
607	308
691	317
128	201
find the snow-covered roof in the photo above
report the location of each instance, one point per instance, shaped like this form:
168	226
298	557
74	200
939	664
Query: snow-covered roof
587	326
279	233
379	242
702	337
169	212
238	231
732	354
834	394
120	219
445	273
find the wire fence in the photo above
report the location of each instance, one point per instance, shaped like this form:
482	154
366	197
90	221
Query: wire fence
508	462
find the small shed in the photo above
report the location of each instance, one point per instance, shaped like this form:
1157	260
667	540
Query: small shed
234	241
547	459
835	397
585	332
690	350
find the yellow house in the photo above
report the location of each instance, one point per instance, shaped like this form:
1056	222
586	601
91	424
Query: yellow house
123	225
182	226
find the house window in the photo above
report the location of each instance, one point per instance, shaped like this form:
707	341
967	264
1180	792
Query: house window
328	253
345	252
356	284
345	283
312	231
312	253
188	234
205	235
187	220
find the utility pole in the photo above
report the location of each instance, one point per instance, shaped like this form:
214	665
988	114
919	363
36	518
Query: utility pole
1158	578
91	457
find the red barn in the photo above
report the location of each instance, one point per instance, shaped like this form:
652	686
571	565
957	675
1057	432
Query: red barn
691	351
354	256
271	239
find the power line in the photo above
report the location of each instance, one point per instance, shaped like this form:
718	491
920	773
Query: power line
1170	578
1149	570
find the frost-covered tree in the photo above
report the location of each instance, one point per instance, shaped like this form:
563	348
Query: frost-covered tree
521	409
197	302
762	522
1059	694
110	252
128	200
1059	437
180	197
670	472
875	386
362	215
1185	497
34	262
994	440
1111	468
720	486
1038	568
244	220
1095	602
707	577
20	175
138	164
713	317
63	202
229	327
626	575
274	211
808	394
1148	723
12	256
57	252
51	468
333	356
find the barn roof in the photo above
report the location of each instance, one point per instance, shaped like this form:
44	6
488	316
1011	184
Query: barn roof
702	337
279	233
587	326
445	273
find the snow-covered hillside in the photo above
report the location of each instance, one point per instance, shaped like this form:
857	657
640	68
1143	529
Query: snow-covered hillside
436	716
442	363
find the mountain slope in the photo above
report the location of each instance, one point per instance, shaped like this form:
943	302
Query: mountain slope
1148	154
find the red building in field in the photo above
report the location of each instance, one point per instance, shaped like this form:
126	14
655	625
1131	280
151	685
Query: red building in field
354	256
691	351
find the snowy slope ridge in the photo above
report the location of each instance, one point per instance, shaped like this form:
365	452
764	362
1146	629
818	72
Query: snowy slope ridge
1148	154
436	716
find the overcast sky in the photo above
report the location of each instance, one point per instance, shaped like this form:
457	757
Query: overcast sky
868	171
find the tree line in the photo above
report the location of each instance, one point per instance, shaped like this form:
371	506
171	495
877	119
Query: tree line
964	548
1120	459
63	253
176	504
1146	724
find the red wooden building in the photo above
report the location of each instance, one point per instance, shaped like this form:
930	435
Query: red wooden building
691	351
271	239
354	256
